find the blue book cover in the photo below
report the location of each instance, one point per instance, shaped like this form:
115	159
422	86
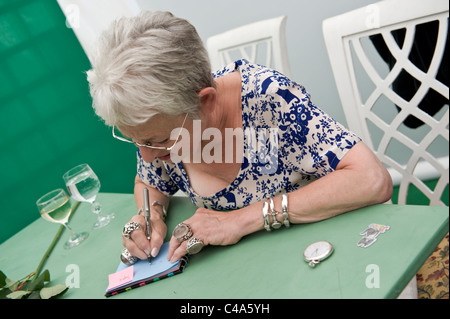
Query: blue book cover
144	273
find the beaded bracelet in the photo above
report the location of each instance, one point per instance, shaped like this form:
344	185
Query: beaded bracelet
284	210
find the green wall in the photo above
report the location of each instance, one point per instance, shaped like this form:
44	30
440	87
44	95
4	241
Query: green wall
47	124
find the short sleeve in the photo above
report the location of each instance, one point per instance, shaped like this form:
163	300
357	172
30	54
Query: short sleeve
155	175
314	143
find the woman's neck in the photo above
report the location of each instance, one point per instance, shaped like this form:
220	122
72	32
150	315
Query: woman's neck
228	110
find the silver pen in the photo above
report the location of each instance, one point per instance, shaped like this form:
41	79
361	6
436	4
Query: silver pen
147	218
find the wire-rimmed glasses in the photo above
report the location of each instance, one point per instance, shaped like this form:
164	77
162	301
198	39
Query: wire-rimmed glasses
148	144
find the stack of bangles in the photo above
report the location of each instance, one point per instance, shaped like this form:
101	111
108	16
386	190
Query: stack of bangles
284	212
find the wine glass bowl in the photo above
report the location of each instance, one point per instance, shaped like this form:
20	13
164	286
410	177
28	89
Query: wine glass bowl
55	207
83	185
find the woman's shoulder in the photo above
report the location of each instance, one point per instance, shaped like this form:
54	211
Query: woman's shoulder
266	82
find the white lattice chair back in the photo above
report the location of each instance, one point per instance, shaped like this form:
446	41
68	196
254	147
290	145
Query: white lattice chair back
373	109
262	42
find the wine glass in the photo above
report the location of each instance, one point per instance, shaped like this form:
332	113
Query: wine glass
55	207
83	186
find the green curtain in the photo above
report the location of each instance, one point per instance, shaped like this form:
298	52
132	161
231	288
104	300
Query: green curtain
47	124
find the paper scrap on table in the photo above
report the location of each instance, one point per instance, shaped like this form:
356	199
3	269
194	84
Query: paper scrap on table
121	277
371	233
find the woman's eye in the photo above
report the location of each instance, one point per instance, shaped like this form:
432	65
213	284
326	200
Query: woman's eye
164	141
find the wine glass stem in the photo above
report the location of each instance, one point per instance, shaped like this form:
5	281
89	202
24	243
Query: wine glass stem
96	208
69	229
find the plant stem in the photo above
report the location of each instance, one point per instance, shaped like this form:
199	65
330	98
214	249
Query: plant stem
52	245
24	280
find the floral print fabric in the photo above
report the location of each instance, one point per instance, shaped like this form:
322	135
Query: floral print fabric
288	143
432	277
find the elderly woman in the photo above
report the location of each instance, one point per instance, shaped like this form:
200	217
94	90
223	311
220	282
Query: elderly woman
245	144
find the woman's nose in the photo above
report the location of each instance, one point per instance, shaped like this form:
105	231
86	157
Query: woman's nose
148	154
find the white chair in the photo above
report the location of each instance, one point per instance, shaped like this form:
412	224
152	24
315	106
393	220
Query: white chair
262	42
374	109
369	102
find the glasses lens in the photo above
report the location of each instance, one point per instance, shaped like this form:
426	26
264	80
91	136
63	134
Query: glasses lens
116	133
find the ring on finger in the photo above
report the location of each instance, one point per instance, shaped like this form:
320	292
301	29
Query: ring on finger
194	245
182	232
129	228
127	258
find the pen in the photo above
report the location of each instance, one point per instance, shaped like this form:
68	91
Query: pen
147	217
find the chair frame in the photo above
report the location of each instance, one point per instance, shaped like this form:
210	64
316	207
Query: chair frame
346	30
270	32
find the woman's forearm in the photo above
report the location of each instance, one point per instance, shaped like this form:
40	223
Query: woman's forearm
358	181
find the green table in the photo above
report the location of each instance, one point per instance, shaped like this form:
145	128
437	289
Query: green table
262	265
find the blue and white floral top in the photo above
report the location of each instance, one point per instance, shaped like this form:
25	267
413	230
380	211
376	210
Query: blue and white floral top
307	145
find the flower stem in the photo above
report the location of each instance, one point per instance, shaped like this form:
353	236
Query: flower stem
24	280
52	245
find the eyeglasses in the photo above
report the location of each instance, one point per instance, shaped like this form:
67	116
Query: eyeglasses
148	145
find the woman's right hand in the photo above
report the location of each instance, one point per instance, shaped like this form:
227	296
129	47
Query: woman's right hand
138	245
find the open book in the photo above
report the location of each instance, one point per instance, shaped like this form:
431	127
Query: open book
142	273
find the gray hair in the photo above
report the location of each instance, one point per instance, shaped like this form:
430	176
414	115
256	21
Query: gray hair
150	64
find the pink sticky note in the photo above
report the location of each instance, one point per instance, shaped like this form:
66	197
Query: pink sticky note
121	277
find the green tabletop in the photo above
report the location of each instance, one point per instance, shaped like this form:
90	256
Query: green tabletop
262	265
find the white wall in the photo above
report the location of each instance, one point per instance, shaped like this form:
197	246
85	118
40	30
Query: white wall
307	53
89	18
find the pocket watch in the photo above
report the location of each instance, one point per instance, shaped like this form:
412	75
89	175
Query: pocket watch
316	252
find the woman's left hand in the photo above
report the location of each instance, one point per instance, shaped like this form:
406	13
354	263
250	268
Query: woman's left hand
211	227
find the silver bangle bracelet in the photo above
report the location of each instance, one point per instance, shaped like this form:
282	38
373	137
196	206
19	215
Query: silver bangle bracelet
163	208
154	204
284	210
275	223
265	213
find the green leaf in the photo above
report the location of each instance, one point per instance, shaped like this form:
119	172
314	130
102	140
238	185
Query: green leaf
2	279
34	295
12	285
4	292
38	283
18	294
49	292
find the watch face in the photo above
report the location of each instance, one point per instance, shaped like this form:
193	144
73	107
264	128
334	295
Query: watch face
182	232
318	251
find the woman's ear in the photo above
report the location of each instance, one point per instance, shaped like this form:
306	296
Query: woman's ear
207	98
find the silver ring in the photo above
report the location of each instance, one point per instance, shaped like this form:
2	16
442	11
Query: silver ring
129	228
194	245
182	232
127	258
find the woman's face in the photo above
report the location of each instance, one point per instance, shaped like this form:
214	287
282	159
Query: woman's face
160	131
